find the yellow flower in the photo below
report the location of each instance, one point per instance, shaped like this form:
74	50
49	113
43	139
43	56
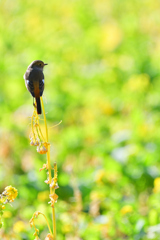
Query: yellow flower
42	196
106	107
126	209
100	175
111	36
67	227
2	200
7	214
11	193
138	82
156	188
96	195
19	226
2	206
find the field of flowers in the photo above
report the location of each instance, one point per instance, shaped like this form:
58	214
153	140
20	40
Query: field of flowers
103	82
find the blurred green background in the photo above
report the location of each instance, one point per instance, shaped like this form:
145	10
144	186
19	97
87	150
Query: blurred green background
103	82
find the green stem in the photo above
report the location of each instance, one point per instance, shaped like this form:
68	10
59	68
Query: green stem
49	170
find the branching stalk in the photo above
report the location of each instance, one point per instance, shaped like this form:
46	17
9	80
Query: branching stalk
52	191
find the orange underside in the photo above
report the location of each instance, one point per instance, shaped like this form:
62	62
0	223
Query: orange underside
36	89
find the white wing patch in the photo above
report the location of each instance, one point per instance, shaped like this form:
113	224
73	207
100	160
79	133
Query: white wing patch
26	83
43	81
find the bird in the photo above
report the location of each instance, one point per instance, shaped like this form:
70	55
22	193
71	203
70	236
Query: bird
34	81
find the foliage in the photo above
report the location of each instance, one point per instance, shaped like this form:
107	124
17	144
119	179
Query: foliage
102	81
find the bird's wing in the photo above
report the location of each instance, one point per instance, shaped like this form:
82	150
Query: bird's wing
34	80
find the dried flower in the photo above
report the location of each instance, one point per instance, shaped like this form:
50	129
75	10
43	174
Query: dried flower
54	184
49	237
42	149
47	181
53	198
45	166
36	143
32	143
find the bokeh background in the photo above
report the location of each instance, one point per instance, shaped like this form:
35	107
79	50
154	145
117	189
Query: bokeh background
103	82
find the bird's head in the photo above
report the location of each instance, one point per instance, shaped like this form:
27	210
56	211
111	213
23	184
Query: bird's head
37	64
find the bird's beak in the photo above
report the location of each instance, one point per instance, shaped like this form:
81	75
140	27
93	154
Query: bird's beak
46	64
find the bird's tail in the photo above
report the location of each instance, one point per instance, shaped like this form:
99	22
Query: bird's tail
39	111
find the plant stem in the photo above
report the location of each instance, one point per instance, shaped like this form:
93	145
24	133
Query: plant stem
49	170
47	223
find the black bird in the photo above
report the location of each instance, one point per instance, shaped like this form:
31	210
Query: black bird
34	80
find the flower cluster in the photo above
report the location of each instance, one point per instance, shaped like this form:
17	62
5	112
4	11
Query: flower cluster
7	196
10	193
36	136
53	184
